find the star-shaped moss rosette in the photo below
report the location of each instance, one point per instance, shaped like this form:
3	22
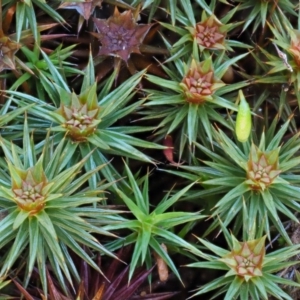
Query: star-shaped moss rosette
30	188
80	114
48	211
201	36
191	99
250	183
283	55
120	35
262	168
8	48
250	271
245	259
88	121
84	8
200	83
210	33
151	227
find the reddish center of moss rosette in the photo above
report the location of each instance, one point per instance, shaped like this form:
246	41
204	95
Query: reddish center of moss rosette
120	35
209	34
262	168
246	259
294	48
85	8
199	83
30	189
8	48
80	114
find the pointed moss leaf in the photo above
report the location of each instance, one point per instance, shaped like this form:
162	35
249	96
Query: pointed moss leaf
15	174
34	237
145	238
58	79
21	217
119	96
191	123
234	288
237	191
72	244
139	199
31	18
89	77
165	83
136	255
96	140
47	224
215	249
18	246
138	213
221	70
164	205
260	285
173	238
219	282
169	220
64	178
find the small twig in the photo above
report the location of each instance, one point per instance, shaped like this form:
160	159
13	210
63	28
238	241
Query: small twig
283	56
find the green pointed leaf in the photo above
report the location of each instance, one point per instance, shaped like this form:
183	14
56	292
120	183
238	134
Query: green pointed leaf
34	237
21	217
18	246
139	199
138	213
164	205
89	77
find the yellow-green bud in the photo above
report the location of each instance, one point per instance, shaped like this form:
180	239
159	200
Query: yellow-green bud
243	123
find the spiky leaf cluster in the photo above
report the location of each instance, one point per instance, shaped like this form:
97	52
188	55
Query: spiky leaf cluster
251	183
42	201
88	121
283	56
250	272
151	228
201	33
191	99
51	184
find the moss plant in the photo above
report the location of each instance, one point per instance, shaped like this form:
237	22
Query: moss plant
42	203
250	271
201	95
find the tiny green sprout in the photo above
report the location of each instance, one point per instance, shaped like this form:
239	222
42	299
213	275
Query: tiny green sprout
243	123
